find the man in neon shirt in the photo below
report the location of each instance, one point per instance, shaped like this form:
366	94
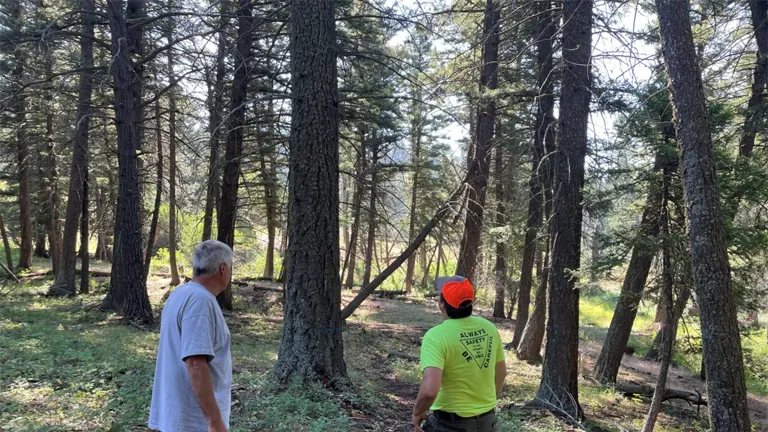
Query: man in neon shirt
462	360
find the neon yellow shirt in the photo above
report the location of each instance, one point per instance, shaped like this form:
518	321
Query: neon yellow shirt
467	350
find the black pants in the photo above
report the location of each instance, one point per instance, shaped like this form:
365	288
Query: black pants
486	423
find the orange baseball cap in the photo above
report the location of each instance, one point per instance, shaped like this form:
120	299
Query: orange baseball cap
455	290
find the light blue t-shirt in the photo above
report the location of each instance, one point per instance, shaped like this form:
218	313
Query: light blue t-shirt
192	324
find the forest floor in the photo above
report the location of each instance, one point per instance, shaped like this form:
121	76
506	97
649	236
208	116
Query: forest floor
67	366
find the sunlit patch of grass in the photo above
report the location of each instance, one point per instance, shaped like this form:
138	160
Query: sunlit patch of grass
406	371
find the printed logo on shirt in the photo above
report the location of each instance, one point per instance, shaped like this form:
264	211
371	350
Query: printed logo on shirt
478	346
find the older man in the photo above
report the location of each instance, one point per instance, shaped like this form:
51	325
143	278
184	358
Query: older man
463	363
193	375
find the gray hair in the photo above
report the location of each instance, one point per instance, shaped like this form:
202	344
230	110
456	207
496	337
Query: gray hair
209	255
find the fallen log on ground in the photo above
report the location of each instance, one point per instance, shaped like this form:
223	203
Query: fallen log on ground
385	293
95	273
256	286
402	356
634	389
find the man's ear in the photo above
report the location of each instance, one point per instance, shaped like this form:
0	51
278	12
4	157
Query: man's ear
222	269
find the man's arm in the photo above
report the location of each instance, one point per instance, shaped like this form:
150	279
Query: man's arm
202	386
430	386
501	375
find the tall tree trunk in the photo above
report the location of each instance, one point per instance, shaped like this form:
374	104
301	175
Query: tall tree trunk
269	178
486	114
40	224
357	202
416	136
644	249
85	257
172	157
371	239
52	177
558	388
595	249
228	207
529	348
668	330
6	245
101	209
543	143
158	193
65	279
439	256
127	291
311	344
270	205
500	266
215	125
22	145
714	291
424	265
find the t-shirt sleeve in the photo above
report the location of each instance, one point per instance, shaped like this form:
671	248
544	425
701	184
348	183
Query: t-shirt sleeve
197	333
432	352
499	348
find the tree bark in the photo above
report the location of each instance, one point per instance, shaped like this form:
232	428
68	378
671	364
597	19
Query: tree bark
357	201
439	256
668	330
486	114
711	270
558	389
269	177
85	257
6	245
172	156
416	138
228	207
500	266
311	343
53	200
65	279
424	265
19	102
371	239
158	193
529	348
40	227
543	143
215	123
127	293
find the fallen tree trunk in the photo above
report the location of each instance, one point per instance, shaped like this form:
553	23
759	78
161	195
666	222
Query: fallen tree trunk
384	293
441	212
95	273
634	389
256	286
402	356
